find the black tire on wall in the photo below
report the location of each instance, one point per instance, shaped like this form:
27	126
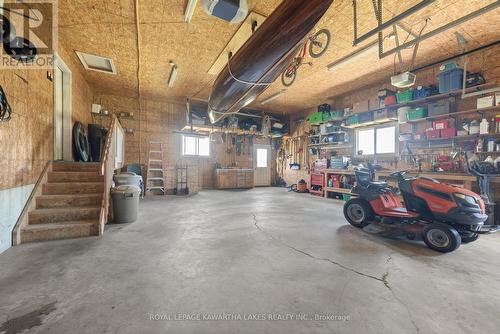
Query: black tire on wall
81	150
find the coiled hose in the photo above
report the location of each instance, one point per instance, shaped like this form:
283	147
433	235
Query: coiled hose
5	110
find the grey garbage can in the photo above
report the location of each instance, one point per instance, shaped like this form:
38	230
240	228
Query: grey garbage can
129	179
125	203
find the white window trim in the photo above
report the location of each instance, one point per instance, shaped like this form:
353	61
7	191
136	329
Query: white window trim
375	127
67	107
197	147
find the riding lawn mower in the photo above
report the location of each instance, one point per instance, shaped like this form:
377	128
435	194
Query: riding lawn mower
444	215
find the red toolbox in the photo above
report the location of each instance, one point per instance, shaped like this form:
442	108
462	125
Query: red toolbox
317	184
433	134
449	133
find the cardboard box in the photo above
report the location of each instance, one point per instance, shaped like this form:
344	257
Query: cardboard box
433	134
440	125
485	102
374	103
361	106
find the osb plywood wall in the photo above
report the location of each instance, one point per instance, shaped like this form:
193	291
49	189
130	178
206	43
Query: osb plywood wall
486	62
27	141
158	122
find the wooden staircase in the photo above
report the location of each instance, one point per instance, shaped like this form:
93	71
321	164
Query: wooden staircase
69	204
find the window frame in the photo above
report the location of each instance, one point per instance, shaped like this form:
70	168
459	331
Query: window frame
197	147
375	128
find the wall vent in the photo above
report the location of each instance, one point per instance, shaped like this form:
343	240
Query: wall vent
96	63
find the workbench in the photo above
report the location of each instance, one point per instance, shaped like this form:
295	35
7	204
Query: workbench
466	180
328	190
234	178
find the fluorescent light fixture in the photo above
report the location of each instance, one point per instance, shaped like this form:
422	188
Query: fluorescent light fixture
173	75
188	14
273	97
96	63
355	56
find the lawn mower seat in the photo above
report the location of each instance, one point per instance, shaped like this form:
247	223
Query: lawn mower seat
377	185
364	178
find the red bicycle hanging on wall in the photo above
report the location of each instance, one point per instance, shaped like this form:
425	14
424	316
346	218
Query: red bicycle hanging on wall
317	44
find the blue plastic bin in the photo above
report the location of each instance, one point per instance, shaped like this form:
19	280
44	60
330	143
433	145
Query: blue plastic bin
450	80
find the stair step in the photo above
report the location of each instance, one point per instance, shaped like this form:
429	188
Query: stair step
58	201
76	166
56	215
54	177
155	160
57	231
155	169
155	178
72	188
154	151
156	188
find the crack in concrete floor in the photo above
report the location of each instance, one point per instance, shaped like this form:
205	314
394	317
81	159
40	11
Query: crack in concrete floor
384	278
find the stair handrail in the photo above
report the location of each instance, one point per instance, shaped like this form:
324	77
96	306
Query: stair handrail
106	169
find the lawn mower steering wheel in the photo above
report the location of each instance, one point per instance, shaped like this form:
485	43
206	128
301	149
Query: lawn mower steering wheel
399	175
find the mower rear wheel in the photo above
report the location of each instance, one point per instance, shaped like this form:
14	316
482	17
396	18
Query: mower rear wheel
441	237
358	212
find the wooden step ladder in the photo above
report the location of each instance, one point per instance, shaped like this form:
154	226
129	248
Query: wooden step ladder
155	180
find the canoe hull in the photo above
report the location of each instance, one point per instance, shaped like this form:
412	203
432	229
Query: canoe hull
262	59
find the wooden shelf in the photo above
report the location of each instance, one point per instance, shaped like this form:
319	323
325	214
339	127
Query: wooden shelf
441	96
488	153
338	171
455	114
327	144
376	122
340	191
209	129
469	137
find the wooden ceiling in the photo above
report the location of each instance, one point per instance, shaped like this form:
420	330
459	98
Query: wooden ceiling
108	28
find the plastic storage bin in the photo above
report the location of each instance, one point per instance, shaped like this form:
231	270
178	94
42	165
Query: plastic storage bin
366	117
337	114
439	108
125	203
403	114
417	113
405	96
450	80
353	120
315	118
326	108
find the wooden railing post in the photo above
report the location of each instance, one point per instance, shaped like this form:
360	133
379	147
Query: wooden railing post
107	169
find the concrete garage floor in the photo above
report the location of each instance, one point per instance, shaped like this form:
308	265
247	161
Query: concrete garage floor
263	253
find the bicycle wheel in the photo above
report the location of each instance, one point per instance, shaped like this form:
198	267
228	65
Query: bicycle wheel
319	43
288	77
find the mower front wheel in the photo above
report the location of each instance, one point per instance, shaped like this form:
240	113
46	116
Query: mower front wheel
441	237
358	212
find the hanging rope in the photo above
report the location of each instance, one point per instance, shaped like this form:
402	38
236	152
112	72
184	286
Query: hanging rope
243	81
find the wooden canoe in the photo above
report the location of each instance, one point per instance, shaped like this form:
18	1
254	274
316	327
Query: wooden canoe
265	55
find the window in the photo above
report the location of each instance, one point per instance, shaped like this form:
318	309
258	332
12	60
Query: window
196	146
261	158
377	140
